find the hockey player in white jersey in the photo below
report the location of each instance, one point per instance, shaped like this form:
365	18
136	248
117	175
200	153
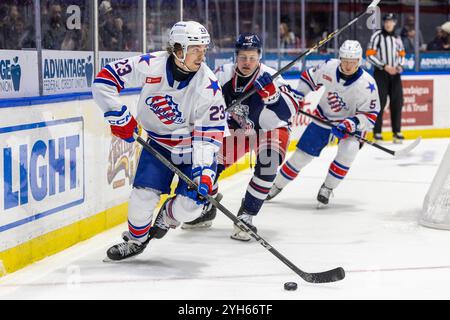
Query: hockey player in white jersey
260	123
350	101
182	110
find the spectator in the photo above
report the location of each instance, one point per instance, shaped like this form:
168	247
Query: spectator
437	42
3	14
442	40
408	33
288	38
108	39
409	41
13	28
54	32
113	32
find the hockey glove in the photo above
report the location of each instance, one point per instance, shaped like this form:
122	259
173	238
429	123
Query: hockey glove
245	123
349	125
239	114
266	88
122	123
204	178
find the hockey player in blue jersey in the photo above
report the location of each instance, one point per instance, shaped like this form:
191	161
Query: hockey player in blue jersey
350	102
181	108
260	123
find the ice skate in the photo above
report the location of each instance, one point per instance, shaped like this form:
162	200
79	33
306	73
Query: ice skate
163	222
378	138
323	196
398	138
273	192
126	249
246	218
205	220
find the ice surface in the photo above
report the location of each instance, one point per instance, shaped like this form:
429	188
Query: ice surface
370	229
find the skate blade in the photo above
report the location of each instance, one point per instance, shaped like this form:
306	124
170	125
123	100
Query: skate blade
240	239
108	260
321	205
197	226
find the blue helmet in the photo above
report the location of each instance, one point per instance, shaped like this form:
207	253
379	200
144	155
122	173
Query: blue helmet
248	41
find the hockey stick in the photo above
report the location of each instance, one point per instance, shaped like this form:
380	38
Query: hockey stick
320	277
396	153
309	51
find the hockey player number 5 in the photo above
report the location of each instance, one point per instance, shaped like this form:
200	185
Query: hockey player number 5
217	113
122	67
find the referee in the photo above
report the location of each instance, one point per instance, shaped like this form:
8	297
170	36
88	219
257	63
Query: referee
387	54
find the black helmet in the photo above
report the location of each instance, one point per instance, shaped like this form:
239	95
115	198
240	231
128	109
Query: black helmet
389	16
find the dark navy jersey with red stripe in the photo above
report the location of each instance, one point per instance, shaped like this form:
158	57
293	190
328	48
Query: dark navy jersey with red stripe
234	86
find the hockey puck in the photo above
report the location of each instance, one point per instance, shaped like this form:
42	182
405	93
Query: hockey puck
290	286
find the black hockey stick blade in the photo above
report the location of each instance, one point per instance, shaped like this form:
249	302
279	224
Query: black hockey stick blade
404	151
324	277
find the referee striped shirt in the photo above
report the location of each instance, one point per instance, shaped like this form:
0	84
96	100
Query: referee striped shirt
385	49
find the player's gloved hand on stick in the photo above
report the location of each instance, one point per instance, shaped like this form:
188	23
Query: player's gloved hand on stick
204	178
122	123
349	125
266	88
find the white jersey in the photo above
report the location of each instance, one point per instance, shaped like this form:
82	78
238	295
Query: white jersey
357	96
182	117
266	117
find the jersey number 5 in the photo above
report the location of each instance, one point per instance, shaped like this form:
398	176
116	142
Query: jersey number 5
217	113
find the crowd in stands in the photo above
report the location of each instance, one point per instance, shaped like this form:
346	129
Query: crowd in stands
119	29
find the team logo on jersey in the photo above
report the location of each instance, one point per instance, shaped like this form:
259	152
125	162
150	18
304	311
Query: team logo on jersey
336	103
165	109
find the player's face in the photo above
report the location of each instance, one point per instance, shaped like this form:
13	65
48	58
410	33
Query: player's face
195	56
349	66
247	61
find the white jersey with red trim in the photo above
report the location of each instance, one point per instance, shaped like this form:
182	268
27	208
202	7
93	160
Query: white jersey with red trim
177	115
266	117
357	96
